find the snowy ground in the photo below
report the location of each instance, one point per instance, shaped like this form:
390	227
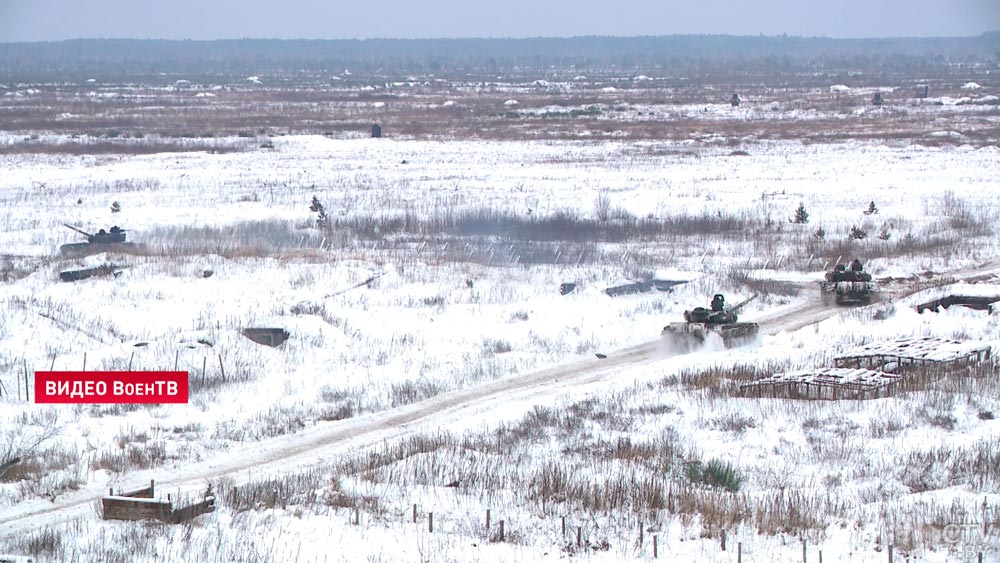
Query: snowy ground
448	313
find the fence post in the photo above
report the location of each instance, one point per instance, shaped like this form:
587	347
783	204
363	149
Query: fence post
739	552
488	520
564	527
414	513
357	516
579	536
890	553
84	361
204	361
803	551
654	546
640	533
723	540
501	530
177	356
222	369
430	522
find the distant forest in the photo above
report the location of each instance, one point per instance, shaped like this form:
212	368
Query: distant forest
132	59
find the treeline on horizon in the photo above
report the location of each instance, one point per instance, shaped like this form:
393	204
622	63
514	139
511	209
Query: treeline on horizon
130	58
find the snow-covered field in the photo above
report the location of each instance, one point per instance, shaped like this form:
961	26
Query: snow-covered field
384	317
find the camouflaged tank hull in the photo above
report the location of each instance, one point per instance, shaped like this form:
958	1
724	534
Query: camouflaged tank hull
688	336
848	292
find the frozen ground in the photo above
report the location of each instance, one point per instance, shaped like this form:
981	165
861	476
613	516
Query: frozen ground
465	324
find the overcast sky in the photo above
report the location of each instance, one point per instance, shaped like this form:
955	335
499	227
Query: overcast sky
41	20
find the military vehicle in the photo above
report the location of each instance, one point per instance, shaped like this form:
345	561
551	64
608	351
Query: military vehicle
848	286
699	323
101	241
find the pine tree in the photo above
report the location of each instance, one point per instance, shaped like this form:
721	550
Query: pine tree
857	233
115	207
872	210
315	206
322	220
801	215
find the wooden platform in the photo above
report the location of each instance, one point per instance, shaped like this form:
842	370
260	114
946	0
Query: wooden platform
824	384
979	303
909	353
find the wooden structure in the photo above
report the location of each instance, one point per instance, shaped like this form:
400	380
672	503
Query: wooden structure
140	505
915	353
100	271
667	285
980	303
823	384
871	371
376	131
643	287
877	100
735	101
267	336
629	288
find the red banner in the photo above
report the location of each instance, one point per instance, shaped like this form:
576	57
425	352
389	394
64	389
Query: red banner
111	386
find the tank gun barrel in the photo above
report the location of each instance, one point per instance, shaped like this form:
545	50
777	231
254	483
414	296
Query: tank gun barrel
741	304
81	231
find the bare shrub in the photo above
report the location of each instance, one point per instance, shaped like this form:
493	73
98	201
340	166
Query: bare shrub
494	346
26	438
602	207
132	456
886	427
562	225
245	238
411	391
762	286
962	216
535	424
307	489
366	463
44	542
723	381
734	422
277	421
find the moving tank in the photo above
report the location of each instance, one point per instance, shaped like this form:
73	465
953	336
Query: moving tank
101	241
848	286
700	322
